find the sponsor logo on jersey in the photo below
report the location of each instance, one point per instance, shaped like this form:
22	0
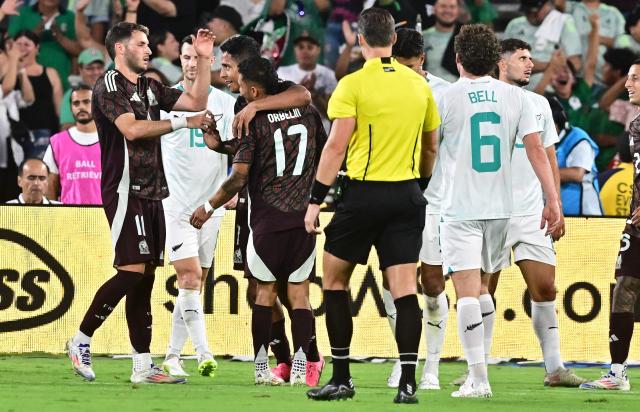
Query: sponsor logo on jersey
144	247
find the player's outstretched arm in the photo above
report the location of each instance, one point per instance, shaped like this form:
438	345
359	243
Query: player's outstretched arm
134	129
196	99
214	142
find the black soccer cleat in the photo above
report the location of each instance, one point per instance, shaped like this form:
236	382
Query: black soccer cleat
333	391
406	394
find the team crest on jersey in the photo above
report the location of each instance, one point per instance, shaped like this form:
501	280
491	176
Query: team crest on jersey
152	98
144	247
237	256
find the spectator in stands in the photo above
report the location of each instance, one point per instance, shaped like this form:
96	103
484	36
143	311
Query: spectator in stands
546	29
55	29
576	153
343	10
632	27
91	64
224	22
438	40
482	11
248	9
404	12
318	79
73	157
350	58
177	16
41	118
165	48
33	179
616	184
98	16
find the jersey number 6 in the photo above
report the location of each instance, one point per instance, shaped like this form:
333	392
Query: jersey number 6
478	140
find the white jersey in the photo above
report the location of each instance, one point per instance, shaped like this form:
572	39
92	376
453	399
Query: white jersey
527	190
194	172
433	194
480	121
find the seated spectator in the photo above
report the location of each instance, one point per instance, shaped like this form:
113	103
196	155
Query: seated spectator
546	29
55	29
33	179
224	22
481	11
73	157
91	63
616	184
438	40
318	79
342	10
632	27
41	118
576	153
165	48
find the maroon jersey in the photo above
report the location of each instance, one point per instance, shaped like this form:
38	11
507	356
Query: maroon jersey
634	143
137	171
283	149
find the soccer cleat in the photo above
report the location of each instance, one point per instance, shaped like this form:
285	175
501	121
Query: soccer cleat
394	379
154	375
333	391
80	356
314	371
264	376
174	366
299	369
563	377
406	395
469	390
461	379
610	382
429	381
282	372
208	367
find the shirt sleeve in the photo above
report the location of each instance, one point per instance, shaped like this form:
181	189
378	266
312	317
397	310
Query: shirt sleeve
550	134
246	148
343	101
166	96
570	39
110	99
528	123
581	156
226	131
50	161
431	117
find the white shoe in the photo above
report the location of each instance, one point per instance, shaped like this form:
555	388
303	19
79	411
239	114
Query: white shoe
429	381
80	356
207	367
154	375
394	379
468	390
174	366
610	381
298	369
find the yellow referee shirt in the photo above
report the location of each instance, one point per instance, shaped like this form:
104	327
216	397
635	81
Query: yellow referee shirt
392	105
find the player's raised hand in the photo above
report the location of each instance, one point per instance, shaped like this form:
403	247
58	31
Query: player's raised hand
203	43
635	216
10	7
551	216
198	217
311	219
242	120
202	121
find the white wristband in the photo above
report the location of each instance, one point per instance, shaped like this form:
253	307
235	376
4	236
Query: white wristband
178	123
207	207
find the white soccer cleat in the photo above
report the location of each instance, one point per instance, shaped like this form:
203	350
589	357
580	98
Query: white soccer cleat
80	356
469	390
394	379
207	367
174	366
154	375
299	369
610	381
429	381
263	376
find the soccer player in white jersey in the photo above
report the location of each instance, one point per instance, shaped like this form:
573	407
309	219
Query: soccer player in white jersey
409	50
193	171
532	249
481	118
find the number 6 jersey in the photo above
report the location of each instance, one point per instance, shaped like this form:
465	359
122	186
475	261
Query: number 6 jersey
481	119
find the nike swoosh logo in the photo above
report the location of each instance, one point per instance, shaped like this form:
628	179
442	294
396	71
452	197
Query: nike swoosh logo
553	327
472	326
484	315
176	247
435	325
191	310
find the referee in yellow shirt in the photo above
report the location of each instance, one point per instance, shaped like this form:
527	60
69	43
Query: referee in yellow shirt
385	120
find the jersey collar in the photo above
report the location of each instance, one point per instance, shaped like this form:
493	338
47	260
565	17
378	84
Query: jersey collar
387	61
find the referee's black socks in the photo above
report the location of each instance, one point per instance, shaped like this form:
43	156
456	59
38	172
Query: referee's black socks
408	330
340	330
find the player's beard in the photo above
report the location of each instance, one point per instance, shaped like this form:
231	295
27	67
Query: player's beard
522	82
84	120
133	65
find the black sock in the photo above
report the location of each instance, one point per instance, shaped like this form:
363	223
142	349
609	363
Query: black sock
408	330
138	311
261	328
620	333
279	342
314	354
107	298
301	328
340	331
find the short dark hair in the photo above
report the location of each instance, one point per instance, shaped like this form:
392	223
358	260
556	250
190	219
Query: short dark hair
409	44
29	35
636	61
185	40
512	45
557	111
620	59
260	71
632	19
77	88
121	32
156	38
24	162
241	47
376	26
478	48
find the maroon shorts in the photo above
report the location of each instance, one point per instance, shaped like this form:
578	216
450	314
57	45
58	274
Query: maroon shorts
137	230
241	234
628	261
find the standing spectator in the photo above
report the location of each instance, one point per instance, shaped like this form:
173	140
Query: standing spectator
481	11
166	49
547	30
224	22
343	10
73	157
177	16
318	79
54	26
41	118
33	179
632	27
438	40
91	62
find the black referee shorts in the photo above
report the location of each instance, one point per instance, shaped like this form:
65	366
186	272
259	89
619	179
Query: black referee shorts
387	215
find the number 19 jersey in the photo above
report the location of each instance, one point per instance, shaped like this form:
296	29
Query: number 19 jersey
481	119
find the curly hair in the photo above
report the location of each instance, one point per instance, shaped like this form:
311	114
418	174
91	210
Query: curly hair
478	48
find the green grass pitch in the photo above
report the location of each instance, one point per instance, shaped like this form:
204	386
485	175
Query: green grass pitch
33	383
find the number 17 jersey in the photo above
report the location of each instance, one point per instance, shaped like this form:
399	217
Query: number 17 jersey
481	119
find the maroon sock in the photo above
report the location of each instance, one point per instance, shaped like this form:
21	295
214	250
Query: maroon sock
280	343
107	298
138	310
314	354
260	327
301	329
620	333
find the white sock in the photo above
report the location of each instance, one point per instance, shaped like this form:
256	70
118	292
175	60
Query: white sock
488	310
192	313
81	339
618	369
545	324
435	314
179	333
471	333
141	361
390	308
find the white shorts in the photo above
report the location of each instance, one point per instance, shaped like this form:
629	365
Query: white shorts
528	242
473	244
430	252
185	241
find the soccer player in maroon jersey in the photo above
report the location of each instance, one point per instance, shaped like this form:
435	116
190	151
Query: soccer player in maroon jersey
126	108
277	159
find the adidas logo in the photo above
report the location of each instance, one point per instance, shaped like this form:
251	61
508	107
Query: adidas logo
135	97
613	338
